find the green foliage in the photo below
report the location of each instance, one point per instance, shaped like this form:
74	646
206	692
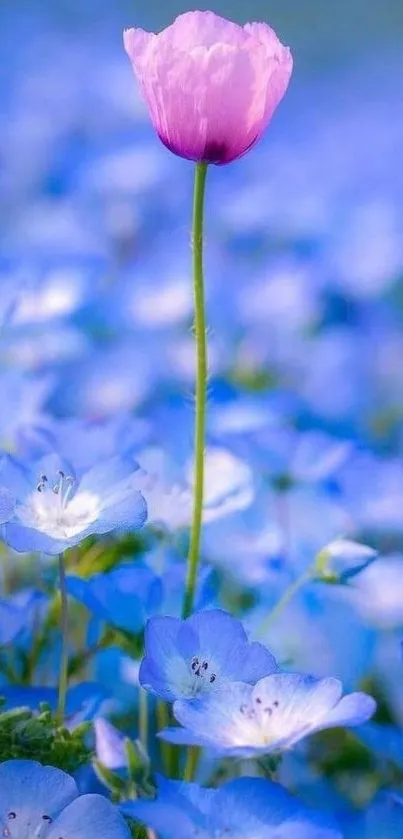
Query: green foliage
38	736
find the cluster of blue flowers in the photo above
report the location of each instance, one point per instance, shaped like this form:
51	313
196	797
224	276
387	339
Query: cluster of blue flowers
218	725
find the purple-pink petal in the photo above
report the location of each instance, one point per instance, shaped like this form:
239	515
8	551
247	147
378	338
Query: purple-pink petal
211	86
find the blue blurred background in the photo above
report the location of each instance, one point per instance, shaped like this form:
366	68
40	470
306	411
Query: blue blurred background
305	240
305	245
304	278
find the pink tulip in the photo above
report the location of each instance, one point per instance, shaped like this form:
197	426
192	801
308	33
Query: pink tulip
211	86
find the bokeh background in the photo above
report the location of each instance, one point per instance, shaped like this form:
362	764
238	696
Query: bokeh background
304	277
305	235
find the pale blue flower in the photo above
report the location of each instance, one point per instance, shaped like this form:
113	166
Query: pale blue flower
198	656
240	809
274	715
42	801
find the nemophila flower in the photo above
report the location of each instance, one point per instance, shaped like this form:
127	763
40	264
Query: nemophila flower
344	558
57	287
54	510
168	488
43	801
377	595
124	597
109	745
23	424
200	655
169	564
373	489
382	820
323	614
84	442
113	378
385	741
239	809
46	346
274	715
211	86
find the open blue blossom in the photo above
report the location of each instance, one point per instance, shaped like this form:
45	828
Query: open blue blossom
274	715
240	809
42	801
124	597
198	656
55	510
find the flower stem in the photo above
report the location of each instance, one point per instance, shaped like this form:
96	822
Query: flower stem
63	673
288	595
201	386
192	761
143	718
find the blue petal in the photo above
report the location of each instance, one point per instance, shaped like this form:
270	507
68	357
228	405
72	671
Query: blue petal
353	709
88	817
253	806
109	745
7	505
32	791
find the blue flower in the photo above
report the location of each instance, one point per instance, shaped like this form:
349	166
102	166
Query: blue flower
382	820
195	657
55	510
43	801
109	745
345	558
240	809
22	418
167	484
85	443
124	597
274	715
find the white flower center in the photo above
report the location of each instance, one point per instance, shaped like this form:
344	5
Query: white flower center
259	723
54	510
192	678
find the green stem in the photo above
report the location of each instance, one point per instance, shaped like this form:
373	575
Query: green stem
201	386
170	754
192	761
143	718
288	595
64	663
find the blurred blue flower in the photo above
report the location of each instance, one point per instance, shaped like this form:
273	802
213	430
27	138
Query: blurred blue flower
345	558
55	511
274	715
241	808
124	597
200	655
167	484
38	800
384	741
114	378
23	422
171	568
84	442
382	820
109	745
